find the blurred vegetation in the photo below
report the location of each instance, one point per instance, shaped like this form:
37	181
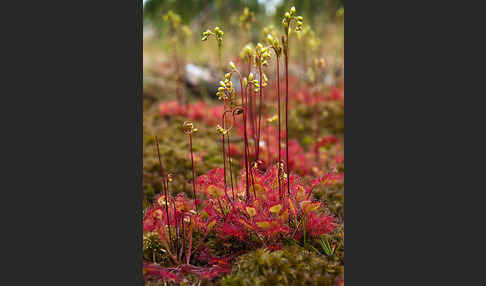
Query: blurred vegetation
202	12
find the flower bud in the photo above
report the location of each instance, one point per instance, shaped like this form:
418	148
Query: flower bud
270	38
232	65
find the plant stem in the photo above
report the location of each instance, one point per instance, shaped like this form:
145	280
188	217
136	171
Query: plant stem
165	186
193	177
220	57
188	255
316	120
286	44
230	168
279	129
259	113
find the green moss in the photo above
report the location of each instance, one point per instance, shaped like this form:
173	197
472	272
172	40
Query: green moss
290	266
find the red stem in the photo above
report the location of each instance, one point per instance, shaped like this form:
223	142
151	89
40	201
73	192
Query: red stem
193	177
279	128
188	256
287	112
316	119
165	186
224	156
259	114
230	168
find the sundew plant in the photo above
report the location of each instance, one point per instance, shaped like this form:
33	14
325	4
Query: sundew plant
272	201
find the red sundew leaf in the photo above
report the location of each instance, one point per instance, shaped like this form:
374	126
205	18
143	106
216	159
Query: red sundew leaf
251	211
265	225
232	230
276	209
156	271
319	224
214	177
328	179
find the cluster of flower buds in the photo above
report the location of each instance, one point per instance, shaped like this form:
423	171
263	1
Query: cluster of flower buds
226	90
247	53
262	54
246	19
275	44
217	33
251	80
175	26
221	130
289	17
188	128
173	19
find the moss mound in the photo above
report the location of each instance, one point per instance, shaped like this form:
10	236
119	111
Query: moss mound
289	266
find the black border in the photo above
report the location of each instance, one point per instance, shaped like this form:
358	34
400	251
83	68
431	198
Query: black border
139	140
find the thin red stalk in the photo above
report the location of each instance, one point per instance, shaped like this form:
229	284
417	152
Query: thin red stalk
224	158
244	104
188	255
279	128
248	153
163	239
183	238
224	161
176	227
267	141
230	168
316	119
193	177
287	111
165	185
259	114
252	118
